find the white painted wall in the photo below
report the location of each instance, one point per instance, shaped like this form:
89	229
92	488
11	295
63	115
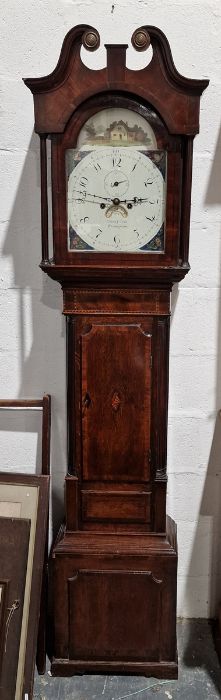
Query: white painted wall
32	334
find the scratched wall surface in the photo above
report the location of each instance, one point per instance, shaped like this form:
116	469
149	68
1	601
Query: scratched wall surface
32	336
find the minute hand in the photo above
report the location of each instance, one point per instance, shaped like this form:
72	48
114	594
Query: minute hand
98	196
135	200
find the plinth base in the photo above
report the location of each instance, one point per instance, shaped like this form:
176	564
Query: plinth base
65	668
115	603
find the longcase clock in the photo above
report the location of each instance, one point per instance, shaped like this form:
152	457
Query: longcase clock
121	163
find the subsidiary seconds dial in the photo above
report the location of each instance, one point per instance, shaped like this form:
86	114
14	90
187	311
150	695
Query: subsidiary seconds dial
116	199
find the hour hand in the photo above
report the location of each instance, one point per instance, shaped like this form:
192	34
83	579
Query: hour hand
115	184
89	194
134	200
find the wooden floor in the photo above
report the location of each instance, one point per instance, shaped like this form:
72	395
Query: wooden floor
199	675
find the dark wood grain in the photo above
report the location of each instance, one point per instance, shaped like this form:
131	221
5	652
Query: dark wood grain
14	545
46	434
119	301
117	553
102	620
42	627
116	376
160	395
186	197
124	635
72	505
172	95
115	506
91	447
44	199
21	403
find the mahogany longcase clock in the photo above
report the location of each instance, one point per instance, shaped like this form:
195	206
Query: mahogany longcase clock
121	160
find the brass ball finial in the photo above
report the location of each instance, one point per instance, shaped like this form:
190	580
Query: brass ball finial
91	40
140	39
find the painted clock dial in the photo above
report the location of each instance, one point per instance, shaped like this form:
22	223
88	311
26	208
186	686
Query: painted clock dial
116	185
116	198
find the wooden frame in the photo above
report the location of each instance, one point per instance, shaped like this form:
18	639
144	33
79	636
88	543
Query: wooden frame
43	405
172	144
14	554
32	495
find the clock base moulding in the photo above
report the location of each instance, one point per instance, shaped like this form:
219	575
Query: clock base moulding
81	276
115	603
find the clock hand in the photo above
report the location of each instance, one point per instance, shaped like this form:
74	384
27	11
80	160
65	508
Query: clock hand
115	184
137	200
98	196
116	201
89	201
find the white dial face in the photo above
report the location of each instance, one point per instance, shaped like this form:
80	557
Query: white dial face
116	200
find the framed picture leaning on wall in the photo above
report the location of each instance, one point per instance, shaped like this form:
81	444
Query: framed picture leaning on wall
26	497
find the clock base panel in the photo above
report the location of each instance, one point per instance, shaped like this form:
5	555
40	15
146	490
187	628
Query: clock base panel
114	603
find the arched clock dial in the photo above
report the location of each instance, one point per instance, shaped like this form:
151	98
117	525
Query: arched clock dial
116	198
